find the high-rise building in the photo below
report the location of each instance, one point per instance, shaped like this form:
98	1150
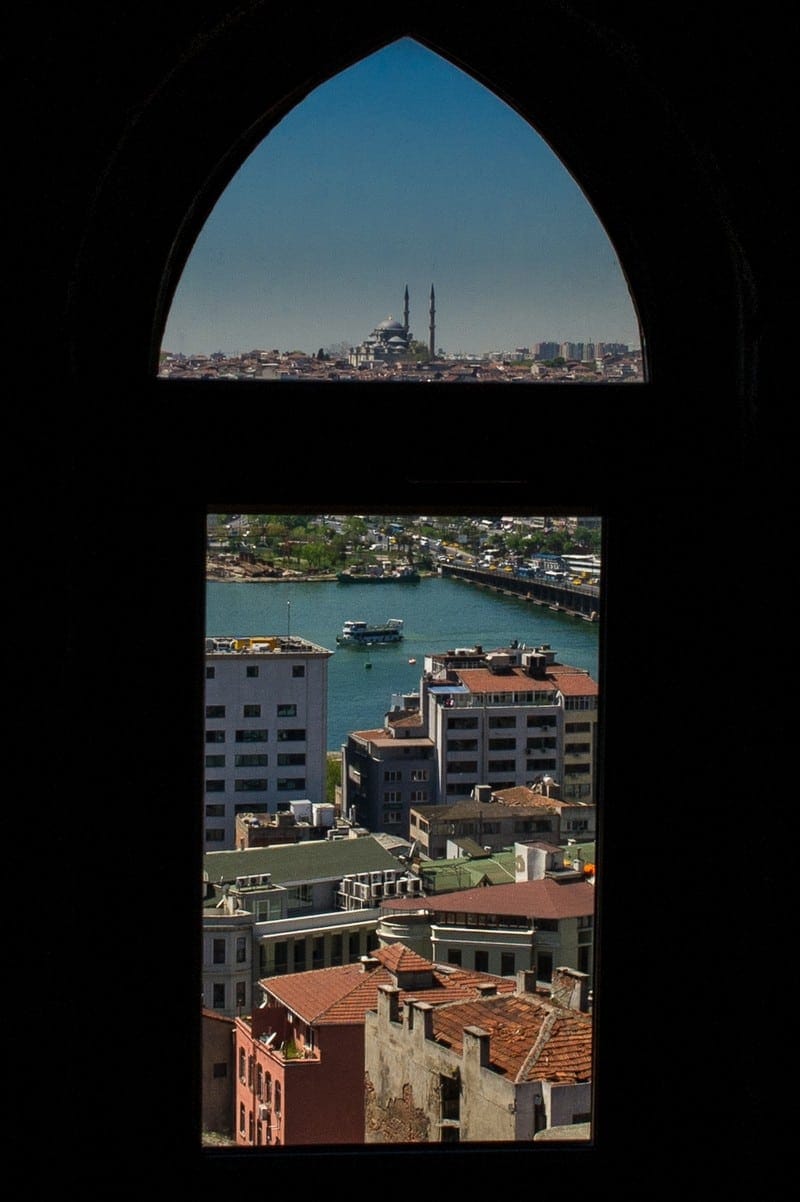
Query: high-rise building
266	717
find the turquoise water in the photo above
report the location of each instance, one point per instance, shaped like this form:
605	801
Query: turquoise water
439	613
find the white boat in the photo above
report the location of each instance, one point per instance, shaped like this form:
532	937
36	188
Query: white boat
361	634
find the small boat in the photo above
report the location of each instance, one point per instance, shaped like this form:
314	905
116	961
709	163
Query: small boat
367	664
357	633
412	661
404	575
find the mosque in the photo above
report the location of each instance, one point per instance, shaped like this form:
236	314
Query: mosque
390	342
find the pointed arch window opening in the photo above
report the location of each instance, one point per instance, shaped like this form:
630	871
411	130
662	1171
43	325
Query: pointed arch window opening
286	279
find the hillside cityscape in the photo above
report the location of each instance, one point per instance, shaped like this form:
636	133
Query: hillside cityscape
398	935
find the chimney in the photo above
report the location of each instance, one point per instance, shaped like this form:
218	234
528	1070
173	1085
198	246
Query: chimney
487	989
368	963
570	989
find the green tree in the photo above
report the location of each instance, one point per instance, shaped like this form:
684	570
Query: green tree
333	777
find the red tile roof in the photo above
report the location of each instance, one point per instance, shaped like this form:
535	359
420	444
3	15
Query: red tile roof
343	995
530	1038
546	898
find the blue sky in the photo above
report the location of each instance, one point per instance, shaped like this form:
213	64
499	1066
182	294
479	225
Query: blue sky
400	171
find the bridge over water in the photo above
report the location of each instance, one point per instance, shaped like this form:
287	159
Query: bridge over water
582	600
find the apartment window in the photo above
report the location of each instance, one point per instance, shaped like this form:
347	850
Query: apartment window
506	722
277	1097
298	670
418	774
541	720
218	953
252	760
251	736
242	1118
462	744
257	785
393	795
392	775
454	956
502	765
577	728
215	786
251	711
461	767
281	957
577	748
241	949
267	910
354	946
392	817
219	996
220	1069
252	670
210	673
214	836
215	711
507	964
419	795
481	961
215	811
462	723
215	736
318	952
241	994
299	955
336	950
289	758
287	711
502	744
287	783
215	761
292	735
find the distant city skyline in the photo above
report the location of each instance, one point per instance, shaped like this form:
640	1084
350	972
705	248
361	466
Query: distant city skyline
400	171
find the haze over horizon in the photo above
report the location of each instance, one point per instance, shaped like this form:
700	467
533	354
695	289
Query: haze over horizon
400	171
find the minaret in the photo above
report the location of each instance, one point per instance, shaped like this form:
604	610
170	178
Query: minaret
432	341
405	313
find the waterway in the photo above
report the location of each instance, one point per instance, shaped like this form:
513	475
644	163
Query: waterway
439	613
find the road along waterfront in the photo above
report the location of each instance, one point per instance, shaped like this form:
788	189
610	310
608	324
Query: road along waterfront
438	613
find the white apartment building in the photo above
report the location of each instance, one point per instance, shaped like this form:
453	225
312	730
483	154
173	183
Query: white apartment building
510	717
266	721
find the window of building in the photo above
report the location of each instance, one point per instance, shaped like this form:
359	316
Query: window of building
268	909
242	1118
392	817
418	774
289	783
392	795
256	784
502	765
215	761
251	760
215	811
218	954
215	736
241	994
241	949
392	775
507	964
278	1102
215	786
218	995
289	735
318	952
287	710
251	711
210	672
419	795
454	956
354	946
252	736
252	670
299	955
503	722
298	670
281	957
291	758
336	949
215	836
215	711
502	744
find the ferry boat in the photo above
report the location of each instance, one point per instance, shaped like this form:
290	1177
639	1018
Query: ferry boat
360	634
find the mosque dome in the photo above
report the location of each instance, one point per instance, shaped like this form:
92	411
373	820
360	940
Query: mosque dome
390	324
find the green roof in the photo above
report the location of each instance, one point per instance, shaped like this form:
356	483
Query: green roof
312	860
